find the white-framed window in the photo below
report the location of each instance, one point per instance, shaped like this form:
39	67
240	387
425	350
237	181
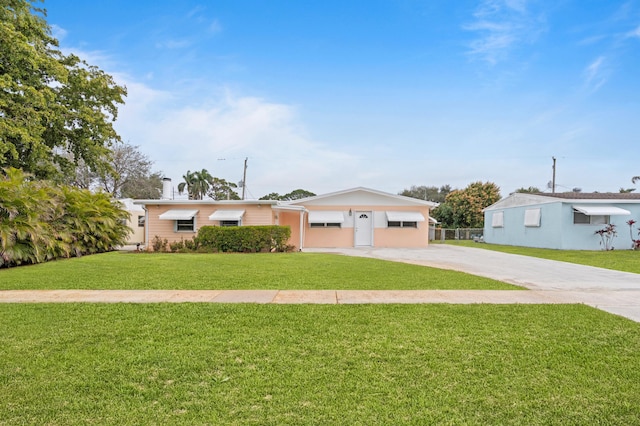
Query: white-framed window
325	219
580	218
532	218
403	219
402	224
186	225
229	223
141	221
497	220
325	225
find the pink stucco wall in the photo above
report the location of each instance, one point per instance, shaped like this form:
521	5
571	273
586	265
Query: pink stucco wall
313	237
382	235
254	215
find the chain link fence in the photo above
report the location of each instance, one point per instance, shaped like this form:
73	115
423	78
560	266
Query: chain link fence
472	234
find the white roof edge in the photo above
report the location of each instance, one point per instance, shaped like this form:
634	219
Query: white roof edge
369	190
209	202
599	201
285	207
537	199
532	198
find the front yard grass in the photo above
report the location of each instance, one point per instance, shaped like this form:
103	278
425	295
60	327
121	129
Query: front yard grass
619	260
317	364
279	271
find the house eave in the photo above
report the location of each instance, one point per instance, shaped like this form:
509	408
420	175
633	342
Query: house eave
408	200
206	202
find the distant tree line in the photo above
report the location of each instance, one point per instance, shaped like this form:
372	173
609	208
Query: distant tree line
296	194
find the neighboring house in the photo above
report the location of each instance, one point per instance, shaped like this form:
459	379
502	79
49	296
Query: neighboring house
566	221
358	217
136	221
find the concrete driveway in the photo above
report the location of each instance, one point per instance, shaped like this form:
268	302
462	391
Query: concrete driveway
612	291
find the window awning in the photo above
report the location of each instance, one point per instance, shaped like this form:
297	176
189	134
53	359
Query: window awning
601	210
178	214
227	215
404	216
326	217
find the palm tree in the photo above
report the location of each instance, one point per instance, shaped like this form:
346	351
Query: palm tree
203	183
189	182
635	179
197	184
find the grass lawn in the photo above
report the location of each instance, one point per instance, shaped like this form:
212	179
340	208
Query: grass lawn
317	364
619	260
282	271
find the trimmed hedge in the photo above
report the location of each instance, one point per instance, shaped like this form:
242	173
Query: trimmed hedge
244	239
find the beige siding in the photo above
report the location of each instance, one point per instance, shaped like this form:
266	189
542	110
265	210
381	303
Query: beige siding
137	232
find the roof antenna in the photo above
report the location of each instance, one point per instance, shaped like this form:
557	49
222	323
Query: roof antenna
553	180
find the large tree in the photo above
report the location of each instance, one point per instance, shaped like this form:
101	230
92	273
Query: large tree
463	207
128	175
221	189
127	167
430	193
55	110
147	187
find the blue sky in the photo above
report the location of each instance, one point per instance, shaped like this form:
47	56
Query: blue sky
328	95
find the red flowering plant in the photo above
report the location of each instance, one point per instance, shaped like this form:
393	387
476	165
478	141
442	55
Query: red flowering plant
635	244
607	234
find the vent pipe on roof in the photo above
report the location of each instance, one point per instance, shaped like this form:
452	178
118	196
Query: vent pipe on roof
166	189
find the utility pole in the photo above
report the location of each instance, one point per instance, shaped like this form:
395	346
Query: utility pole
244	176
553	179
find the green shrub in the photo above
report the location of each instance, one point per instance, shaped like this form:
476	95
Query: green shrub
243	239
177	246
191	245
159	245
40	221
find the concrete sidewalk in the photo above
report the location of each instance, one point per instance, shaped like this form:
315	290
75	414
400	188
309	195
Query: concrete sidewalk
287	296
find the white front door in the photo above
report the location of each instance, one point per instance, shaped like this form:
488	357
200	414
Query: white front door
363	229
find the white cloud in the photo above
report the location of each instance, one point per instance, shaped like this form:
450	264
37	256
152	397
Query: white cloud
231	127
635	33
173	44
215	27
596	74
502	25
58	32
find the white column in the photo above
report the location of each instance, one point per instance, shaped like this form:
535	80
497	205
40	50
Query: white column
301	229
